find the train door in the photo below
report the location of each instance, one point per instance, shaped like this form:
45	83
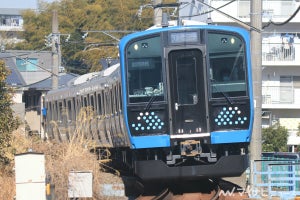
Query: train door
187	92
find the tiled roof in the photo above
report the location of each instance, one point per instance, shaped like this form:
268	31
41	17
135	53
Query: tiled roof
14	78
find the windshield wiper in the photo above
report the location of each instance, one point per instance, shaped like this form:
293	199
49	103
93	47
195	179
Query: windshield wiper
151	100
228	99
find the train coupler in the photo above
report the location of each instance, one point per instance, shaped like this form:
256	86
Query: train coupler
190	148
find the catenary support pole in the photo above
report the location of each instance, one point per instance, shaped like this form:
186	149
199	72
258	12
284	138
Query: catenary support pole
256	53
157	12
55	50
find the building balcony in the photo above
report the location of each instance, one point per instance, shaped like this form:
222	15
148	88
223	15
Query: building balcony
11	28
280	97
277	11
277	54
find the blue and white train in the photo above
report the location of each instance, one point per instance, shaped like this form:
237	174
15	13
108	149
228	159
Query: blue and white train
179	104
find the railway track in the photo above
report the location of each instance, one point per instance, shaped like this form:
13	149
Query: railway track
198	192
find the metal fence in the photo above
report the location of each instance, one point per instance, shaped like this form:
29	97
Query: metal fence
278	177
278	52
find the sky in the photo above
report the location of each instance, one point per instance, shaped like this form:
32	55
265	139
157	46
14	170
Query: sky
20	3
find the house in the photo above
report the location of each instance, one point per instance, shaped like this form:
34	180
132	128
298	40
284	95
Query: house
31	77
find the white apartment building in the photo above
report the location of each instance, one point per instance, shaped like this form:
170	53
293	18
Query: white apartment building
280	55
280	59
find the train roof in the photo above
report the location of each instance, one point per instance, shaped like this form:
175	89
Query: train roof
175	23
186	25
85	83
88	77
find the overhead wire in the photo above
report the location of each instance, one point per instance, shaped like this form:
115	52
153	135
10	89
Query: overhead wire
231	17
206	12
43	68
282	23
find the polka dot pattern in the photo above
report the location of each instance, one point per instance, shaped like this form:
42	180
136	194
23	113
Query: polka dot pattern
147	121
230	116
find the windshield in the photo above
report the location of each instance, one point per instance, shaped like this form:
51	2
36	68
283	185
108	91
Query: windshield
227	70
144	71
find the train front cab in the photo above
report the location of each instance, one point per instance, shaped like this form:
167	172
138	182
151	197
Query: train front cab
188	105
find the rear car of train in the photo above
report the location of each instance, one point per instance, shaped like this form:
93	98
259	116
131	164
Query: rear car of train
187	100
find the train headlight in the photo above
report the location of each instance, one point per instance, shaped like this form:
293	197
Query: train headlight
232	40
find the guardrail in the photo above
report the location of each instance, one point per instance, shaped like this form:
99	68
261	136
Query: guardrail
275	178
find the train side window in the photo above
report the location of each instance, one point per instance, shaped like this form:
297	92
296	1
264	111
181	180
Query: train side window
103	101
119	97
109	96
74	113
60	110
70	111
64	112
111	100
107	103
114	106
78	104
118	108
99	98
49	108
85	102
95	102
54	115
92	103
81	102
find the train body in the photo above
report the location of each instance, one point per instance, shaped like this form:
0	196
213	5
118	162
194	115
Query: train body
178	105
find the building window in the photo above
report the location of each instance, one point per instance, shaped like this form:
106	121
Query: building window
289	88
11	20
27	65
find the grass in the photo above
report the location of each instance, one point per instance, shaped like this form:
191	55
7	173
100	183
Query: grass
60	159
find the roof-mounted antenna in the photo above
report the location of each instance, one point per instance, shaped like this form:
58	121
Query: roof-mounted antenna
165	20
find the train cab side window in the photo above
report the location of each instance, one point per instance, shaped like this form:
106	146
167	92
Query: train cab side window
144	70
227	65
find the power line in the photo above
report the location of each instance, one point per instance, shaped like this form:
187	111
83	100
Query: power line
233	18
206	12
26	54
283	23
26	60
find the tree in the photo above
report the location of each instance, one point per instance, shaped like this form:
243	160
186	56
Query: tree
77	16
274	139
8	122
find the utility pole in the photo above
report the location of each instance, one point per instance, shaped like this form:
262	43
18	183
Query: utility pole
55	50
157	12
256	49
